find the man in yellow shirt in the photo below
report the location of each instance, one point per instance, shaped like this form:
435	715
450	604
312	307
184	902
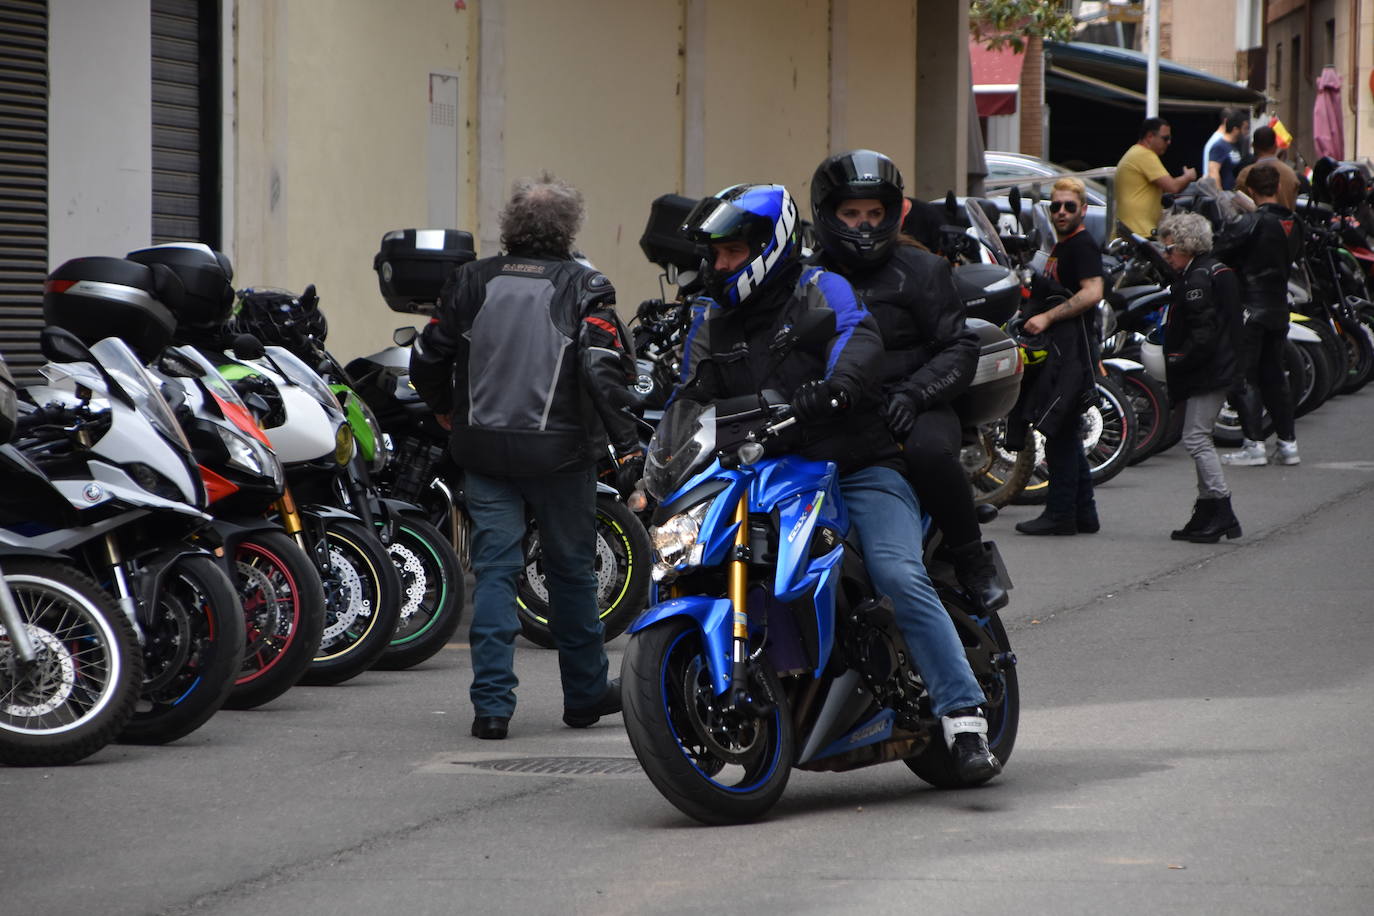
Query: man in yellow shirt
1142	180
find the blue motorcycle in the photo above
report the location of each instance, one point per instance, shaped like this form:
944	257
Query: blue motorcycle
766	647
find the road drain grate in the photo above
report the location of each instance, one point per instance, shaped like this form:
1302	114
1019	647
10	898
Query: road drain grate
561	766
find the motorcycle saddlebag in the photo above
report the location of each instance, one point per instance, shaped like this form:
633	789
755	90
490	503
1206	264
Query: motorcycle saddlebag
413	265
989	291
9	407
663	242
99	297
996	382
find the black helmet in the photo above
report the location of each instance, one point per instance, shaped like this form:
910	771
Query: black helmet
208	279
764	217
1347	186
281	318
1321	170
857	175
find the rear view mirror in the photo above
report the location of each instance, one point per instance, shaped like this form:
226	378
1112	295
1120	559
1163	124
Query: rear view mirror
62	346
246	346
404	337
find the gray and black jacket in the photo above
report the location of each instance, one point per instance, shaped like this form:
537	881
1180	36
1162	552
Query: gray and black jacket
529	357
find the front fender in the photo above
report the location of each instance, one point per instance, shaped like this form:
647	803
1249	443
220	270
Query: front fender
714	617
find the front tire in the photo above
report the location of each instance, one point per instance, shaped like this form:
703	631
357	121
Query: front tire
362	595
623	562
283	606
431	594
192	652
717	766
83	686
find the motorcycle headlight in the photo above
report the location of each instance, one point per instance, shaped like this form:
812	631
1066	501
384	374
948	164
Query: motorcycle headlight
242	454
343	444
675	542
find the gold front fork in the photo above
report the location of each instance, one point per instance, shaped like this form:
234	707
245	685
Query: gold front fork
291	519
739	585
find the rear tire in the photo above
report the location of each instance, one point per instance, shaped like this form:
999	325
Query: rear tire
362	601
283	605
1151	405
985	640
718	767
82	690
1004	473
192	652
623	564
432	594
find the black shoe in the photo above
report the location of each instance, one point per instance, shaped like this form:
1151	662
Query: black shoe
1222	522
976	572
1202	514
490	728
585	716
1048	524
1088	523
966	736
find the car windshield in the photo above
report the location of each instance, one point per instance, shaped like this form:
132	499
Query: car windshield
684	440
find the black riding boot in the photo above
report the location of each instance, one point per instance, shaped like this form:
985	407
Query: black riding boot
1222	522
977	573
1202	513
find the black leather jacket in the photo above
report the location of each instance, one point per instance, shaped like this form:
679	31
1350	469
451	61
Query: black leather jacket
529	357
1201	330
726	355
930	354
1261	248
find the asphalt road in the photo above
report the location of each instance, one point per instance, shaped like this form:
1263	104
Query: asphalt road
1194	738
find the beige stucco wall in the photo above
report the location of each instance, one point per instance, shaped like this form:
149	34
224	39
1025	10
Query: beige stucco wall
627	101
332	113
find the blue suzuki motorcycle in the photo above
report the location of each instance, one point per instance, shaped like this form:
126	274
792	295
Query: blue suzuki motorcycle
766	647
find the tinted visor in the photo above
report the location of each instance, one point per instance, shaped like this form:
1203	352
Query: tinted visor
716	220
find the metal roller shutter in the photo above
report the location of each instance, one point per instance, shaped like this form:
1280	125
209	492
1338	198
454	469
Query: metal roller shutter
185	93
23	180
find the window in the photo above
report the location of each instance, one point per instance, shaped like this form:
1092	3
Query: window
1278	66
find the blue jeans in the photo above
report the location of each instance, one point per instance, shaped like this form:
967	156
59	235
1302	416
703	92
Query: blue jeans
888	522
1069	493
564	505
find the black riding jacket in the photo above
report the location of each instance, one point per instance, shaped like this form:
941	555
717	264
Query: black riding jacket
1201	330
930	354
528	356
727	355
1261	248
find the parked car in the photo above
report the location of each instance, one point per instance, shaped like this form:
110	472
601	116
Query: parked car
1032	174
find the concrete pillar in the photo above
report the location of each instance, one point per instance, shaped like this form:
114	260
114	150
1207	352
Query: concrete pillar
942	99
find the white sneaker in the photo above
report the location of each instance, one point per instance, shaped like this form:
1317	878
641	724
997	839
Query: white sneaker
1250	455
1287	453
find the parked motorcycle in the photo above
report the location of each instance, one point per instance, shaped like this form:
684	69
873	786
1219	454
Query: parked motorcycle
70	665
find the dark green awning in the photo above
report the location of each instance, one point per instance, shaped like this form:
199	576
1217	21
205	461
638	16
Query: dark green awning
1117	76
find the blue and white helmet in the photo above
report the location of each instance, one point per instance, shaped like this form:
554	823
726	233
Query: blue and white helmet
763	216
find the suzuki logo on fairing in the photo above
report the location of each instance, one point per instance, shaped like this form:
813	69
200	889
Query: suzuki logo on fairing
865	733
806	514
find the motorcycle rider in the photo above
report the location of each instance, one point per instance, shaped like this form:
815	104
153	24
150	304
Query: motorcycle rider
524	361
758	288
1261	247
930	355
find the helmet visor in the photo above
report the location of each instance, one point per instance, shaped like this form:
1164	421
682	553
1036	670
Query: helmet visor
716	220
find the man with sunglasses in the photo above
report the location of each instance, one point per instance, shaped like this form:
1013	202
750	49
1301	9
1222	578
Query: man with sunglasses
1074	272
1142	180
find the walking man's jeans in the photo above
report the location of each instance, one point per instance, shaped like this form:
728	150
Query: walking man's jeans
1266	384
1069	493
885	515
564	506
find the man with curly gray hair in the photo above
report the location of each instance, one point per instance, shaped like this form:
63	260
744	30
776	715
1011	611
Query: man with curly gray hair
526	362
1201	327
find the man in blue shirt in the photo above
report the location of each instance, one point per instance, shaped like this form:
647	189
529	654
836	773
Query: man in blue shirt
1223	152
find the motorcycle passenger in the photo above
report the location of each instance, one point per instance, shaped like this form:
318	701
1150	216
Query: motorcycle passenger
524	361
758	286
1261	247
1200	327
930	354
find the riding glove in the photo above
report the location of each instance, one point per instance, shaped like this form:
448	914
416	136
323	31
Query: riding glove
815	400
900	413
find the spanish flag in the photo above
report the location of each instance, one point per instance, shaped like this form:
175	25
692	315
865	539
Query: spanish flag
1281	133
